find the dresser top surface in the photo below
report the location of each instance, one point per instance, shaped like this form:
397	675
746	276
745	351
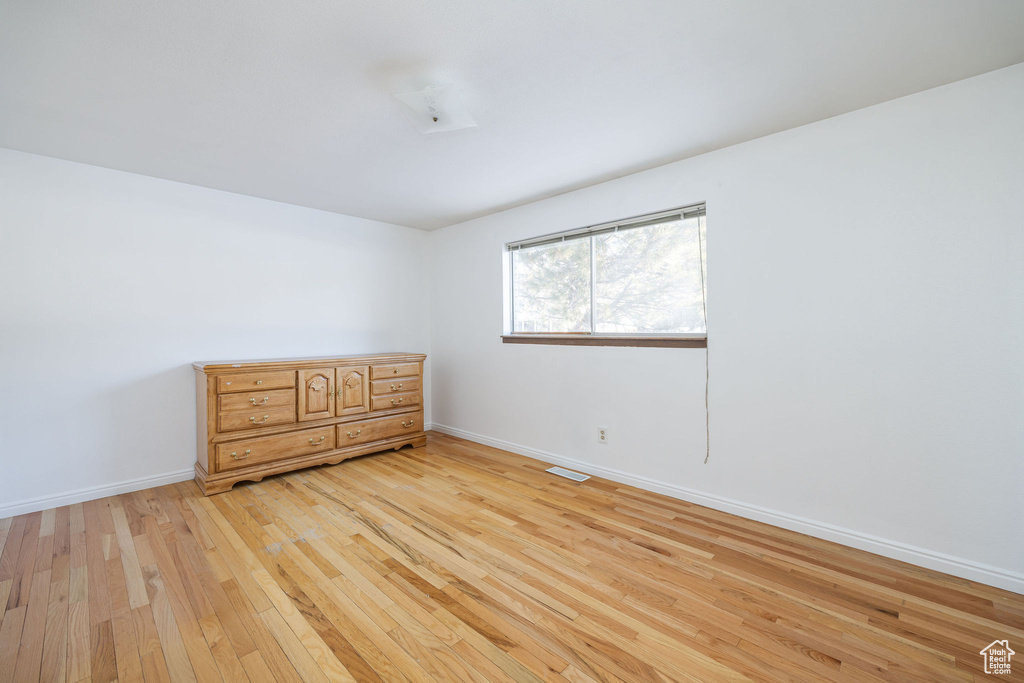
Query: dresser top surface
229	365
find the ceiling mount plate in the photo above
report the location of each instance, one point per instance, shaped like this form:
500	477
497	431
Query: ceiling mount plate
436	109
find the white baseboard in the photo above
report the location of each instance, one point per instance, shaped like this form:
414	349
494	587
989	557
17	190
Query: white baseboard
23	507
949	564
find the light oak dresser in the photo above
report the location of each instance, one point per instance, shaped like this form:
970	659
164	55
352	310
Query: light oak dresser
257	418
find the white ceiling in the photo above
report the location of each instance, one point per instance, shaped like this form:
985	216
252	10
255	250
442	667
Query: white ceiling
292	101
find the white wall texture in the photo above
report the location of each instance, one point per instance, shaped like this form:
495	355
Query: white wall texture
112	284
866	318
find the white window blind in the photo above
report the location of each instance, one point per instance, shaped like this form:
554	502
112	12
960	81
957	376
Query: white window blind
638	276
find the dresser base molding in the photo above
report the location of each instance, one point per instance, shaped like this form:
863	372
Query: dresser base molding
220	482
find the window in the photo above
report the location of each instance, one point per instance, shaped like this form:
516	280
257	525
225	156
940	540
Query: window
635	279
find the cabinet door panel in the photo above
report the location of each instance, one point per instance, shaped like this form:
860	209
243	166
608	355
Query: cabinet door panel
353	394
316	394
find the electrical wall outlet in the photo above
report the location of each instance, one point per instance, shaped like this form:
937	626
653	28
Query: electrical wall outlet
602	435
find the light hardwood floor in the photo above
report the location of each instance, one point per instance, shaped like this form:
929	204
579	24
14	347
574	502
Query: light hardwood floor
461	562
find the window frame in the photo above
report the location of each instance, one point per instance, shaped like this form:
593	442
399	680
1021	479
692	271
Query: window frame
679	340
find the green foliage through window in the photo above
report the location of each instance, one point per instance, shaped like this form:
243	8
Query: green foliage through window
644	280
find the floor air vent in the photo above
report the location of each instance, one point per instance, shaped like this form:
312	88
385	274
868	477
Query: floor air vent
568	474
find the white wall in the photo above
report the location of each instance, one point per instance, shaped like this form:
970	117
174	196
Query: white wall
866	317
112	284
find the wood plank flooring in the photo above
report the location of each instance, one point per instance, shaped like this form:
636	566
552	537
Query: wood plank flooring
460	562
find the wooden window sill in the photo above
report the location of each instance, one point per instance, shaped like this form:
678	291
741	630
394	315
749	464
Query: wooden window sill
597	340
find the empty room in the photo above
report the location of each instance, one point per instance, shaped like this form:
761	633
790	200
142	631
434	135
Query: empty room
584	341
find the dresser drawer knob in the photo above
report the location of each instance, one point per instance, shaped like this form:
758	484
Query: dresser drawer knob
317	443
396	388
410	423
396	401
259	381
236	456
253	419
396	371
261	403
352	436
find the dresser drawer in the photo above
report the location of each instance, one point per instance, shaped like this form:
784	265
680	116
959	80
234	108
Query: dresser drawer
255	381
394	401
364	431
255	417
272	448
395	370
388	386
256	400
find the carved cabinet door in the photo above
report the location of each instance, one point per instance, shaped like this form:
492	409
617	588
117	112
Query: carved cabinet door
316	394
353	390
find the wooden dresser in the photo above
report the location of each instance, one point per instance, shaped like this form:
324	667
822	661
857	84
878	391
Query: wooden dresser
257	418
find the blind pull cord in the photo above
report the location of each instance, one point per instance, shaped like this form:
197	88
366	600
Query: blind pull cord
707	346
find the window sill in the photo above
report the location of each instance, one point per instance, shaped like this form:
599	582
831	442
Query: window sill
597	340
